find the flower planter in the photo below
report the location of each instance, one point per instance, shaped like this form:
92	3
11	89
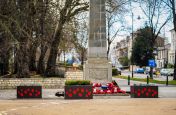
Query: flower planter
144	91
29	92
78	92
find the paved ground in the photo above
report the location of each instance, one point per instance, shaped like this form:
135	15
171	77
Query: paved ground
100	105
89	107
164	91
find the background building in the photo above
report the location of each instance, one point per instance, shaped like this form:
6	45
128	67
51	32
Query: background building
123	48
171	59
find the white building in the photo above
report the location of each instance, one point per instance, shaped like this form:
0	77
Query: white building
171	59
162	56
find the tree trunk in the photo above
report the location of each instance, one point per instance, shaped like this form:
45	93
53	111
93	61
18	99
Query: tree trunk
41	62
32	61
22	61
51	64
6	64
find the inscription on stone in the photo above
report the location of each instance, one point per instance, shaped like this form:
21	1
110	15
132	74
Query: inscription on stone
98	74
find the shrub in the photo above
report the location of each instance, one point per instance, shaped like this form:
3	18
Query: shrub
77	82
114	71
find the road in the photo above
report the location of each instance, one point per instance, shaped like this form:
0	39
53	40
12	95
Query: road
137	75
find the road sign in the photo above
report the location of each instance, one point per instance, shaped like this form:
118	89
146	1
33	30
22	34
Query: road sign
152	63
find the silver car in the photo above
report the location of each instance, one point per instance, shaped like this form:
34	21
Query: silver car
169	72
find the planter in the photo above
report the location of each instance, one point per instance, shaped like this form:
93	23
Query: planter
78	92
29	92
144	91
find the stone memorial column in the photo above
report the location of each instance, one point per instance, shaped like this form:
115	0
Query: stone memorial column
97	67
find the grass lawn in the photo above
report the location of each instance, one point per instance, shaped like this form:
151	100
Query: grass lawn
173	82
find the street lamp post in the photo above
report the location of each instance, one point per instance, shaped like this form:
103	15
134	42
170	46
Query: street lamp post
132	47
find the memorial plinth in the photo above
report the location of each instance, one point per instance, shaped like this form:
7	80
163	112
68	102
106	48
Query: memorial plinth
97	67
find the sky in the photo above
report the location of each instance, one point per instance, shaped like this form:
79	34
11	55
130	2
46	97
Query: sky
140	23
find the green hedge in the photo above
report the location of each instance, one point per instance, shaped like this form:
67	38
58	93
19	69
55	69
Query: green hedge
114	71
77	82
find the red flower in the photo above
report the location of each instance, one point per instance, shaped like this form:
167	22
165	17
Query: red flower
80	95
32	90
70	95
142	92
25	92
39	93
87	90
30	94
139	94
147	94
82	90
74	92
21	94
89	93
67	92
149	90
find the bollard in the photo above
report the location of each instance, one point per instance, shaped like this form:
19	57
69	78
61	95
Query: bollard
147	79
167	80
128	80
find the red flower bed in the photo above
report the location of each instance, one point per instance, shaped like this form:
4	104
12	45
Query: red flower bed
78	92
144	91
29	92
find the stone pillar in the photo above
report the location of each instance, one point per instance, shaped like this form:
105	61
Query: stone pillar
97	67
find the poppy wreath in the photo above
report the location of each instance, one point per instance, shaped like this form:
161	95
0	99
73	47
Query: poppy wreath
109	88
29	92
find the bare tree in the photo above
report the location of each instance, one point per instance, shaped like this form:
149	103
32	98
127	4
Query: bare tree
153	10
115	10
81	37
69	9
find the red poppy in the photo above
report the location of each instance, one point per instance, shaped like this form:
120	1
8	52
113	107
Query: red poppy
70	95
142	92
89	93
82	90
25	92
39	93
32	90
87	90
74	92
67	92
80	95
21	94
30	94
149	90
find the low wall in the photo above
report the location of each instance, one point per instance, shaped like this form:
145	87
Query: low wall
12	83
77	75
53	83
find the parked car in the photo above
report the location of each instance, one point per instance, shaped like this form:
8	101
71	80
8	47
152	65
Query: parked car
139	70
169	72
119	71
147	70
